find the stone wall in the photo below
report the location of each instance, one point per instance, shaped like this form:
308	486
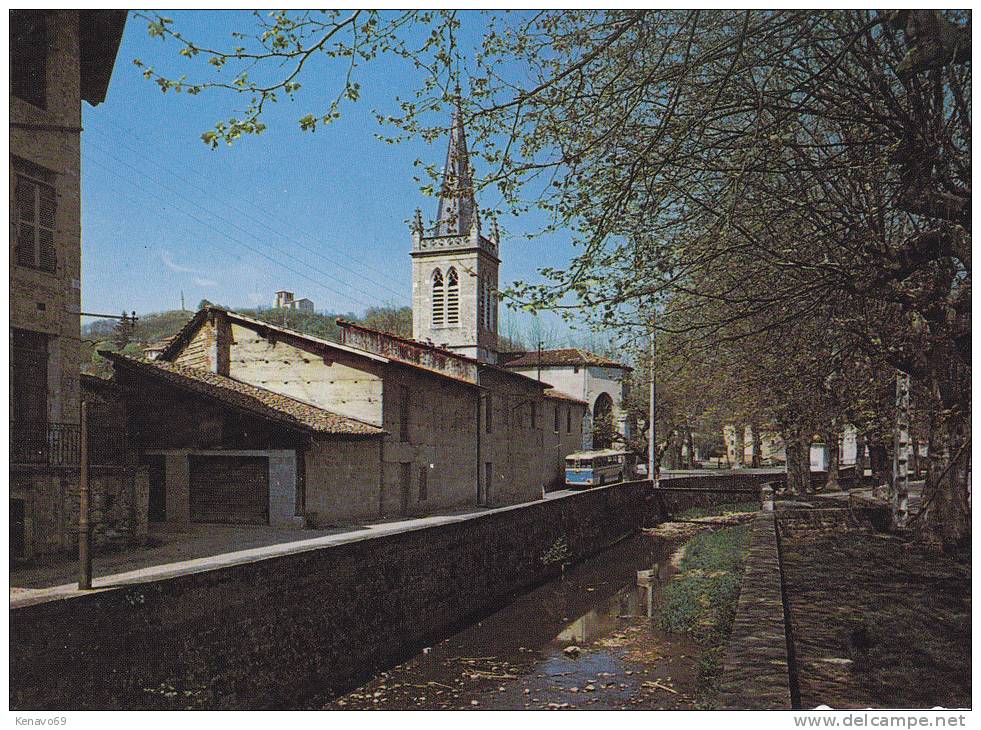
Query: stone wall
119	497
269	633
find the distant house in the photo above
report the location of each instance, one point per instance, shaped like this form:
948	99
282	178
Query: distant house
58	58
285	300
153	350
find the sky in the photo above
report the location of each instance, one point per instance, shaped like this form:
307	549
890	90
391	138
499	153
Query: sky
323	214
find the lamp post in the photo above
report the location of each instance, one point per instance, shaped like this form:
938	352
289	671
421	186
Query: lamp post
652	414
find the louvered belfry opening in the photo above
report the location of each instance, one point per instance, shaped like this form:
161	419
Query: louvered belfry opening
439	299
452	298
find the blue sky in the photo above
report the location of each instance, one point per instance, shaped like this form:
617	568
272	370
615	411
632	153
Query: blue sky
323	214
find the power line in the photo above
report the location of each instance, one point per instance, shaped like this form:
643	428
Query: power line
215	215
262	211
88	158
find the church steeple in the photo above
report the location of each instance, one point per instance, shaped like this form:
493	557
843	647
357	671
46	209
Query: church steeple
457	208
454	267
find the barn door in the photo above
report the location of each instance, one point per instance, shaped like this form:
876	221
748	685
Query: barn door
230	489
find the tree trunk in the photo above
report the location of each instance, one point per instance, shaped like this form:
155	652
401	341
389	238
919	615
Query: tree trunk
914	456
861	461
946	509
739	447
880	462
833	459
757	446
690	442
793	446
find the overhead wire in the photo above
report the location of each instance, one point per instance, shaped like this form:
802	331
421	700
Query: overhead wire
226	221
290	224
316	282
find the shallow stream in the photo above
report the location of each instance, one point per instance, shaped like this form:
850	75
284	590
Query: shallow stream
585	640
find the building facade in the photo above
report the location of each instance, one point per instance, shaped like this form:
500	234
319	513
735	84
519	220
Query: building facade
58	59
241	421
598	381
286	300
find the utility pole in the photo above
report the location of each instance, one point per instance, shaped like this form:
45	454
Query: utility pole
652	414
900	458
540	343
84	526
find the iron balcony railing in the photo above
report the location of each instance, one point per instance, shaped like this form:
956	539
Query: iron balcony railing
57	444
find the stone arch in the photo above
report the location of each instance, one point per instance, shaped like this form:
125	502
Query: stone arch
604	429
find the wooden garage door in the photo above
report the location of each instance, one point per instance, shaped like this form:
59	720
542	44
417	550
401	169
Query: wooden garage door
230	489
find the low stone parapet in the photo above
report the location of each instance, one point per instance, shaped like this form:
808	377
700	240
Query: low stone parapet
756	671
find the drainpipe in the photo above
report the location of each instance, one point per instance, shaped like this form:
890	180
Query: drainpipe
477	465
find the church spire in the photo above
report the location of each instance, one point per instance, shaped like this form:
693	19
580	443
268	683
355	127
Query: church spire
456	212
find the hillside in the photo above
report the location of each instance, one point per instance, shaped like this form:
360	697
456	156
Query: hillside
108	334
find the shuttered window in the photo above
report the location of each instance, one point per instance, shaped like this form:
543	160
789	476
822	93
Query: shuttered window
423	483
36	215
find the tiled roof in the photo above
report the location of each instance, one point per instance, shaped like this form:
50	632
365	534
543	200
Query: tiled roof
568	356
559	395
259	401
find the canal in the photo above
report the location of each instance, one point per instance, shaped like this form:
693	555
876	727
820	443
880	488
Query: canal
585	640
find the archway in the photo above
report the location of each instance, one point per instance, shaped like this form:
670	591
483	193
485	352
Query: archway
603	427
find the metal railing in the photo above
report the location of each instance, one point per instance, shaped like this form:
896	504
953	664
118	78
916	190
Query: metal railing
43	443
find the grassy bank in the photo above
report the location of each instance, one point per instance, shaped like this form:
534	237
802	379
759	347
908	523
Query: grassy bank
718	510
700	601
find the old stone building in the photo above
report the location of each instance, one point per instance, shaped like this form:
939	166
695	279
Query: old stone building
58	59
596	380
245	422
285	300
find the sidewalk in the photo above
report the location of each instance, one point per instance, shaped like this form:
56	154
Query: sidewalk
205	547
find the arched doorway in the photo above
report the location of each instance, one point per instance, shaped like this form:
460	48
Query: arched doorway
603	427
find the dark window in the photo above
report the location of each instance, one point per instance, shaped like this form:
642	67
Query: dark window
555	419
403	413
489	413
423	482
405	486
29	376
568	421
28	56
35	213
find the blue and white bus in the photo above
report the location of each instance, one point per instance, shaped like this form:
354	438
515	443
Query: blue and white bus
595	468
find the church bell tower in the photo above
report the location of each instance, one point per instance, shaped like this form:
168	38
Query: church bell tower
454	267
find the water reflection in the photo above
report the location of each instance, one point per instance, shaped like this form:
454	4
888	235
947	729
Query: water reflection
632	601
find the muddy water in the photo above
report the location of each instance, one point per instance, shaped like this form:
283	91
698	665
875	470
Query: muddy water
586	640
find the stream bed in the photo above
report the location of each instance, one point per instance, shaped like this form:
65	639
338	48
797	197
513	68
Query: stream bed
585	640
